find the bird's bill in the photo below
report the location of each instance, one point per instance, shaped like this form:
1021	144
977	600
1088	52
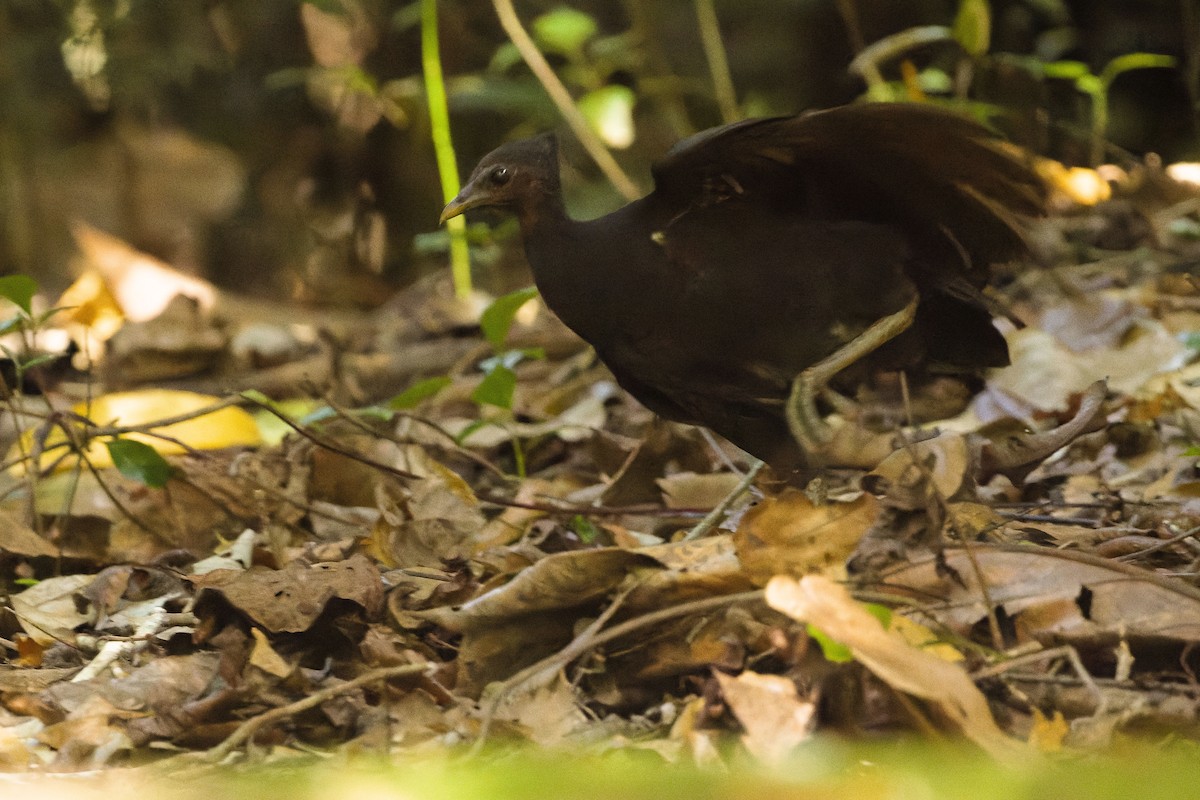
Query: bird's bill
470	197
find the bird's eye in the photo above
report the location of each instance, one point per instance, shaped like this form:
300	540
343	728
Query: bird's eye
500	176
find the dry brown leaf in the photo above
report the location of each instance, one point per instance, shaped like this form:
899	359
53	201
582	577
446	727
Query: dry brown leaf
18	539
817	600
786	534
556	582
265	658
289	600
690	490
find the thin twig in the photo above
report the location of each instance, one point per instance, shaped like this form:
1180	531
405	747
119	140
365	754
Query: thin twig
591	639
562	100
248	729
713	517
1066	651
540	673
333	448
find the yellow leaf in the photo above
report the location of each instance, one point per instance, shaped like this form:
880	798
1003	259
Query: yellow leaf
225	427
1047	734
920	636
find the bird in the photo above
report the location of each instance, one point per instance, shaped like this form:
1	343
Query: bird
777	261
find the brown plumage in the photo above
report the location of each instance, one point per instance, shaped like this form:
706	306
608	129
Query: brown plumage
770	244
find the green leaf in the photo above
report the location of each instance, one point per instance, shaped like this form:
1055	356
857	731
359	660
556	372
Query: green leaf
1066	70
139	461
563	30
419	391
609	112
255	396
1090	84
497	387
11	324
587	530
497	318
973	26
1131	61
37	361
934	81
834	652
881	613
506	56
19	289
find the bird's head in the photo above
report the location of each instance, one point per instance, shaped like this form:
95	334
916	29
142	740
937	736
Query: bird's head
510	176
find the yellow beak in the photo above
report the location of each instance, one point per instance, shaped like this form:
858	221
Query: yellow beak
470	197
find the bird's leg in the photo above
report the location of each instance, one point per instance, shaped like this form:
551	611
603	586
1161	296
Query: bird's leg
803	419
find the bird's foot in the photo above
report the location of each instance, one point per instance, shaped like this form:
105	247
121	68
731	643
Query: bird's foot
811	432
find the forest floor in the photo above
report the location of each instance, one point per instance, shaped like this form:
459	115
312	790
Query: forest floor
472	539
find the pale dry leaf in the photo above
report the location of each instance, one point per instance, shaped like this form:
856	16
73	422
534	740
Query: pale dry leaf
1045	374
827	605
141	284
692	490
1053	595
49	611
917	473
337	39
550	713
776	719
265	658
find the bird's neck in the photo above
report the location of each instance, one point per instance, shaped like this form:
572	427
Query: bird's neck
594	275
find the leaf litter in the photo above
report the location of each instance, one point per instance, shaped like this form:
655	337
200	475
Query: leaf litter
440	574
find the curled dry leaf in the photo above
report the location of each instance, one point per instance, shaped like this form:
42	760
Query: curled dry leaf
821	602
556	582
787	534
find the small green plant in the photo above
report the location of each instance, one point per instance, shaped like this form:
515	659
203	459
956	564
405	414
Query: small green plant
500	378
971	33
1097	87
19	290
494	394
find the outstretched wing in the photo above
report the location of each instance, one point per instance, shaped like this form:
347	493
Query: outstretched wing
942	175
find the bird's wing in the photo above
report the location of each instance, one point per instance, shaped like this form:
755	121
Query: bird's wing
885	162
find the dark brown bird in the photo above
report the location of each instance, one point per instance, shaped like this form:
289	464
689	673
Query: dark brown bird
772	255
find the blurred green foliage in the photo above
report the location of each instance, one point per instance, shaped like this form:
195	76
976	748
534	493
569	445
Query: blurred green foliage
321	106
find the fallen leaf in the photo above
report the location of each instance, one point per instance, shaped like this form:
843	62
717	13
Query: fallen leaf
821	602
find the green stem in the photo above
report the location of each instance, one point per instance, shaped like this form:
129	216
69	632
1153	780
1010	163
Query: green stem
866	63
718	64
439	124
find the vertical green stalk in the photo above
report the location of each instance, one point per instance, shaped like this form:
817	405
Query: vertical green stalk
718	64
439	123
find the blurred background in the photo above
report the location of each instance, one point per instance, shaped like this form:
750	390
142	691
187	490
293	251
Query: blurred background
283	149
